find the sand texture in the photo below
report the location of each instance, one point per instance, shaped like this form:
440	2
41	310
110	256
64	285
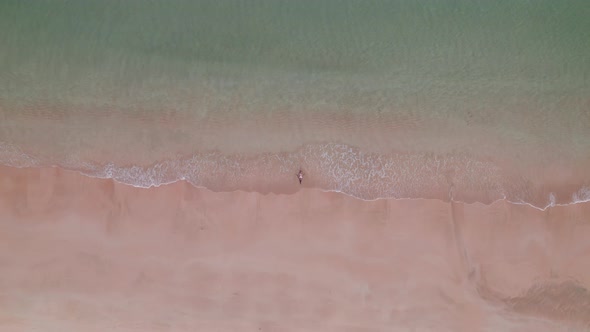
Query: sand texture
84	254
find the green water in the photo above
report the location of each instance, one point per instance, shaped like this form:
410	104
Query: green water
88	50
457	81
518	69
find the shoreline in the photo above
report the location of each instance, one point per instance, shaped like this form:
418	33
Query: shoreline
330	169
584	190
388	154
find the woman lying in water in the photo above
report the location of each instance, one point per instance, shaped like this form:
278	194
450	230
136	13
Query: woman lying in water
300	176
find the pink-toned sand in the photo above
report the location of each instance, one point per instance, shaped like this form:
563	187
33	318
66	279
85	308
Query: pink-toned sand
83	254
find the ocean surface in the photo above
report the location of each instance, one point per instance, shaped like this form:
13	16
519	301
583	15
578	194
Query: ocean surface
376	99
149	152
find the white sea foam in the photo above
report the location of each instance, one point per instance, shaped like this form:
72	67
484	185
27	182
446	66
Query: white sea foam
552	199
330	167
13	156
582	195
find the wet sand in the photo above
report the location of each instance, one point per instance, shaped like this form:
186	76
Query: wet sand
389	155
84	254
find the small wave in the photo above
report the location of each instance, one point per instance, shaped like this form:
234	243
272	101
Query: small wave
11	155
582	195
329	167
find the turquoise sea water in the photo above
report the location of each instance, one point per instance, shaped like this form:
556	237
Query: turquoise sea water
63	50
439	80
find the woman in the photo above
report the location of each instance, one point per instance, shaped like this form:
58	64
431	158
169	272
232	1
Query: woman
300	176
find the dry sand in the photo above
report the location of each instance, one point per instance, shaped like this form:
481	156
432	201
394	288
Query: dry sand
84	254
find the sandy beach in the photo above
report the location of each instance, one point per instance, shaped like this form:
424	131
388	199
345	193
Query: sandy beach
90	254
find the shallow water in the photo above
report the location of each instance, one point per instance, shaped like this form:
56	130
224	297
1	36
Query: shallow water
500	85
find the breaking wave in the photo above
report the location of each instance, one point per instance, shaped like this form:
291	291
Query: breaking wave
329	167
